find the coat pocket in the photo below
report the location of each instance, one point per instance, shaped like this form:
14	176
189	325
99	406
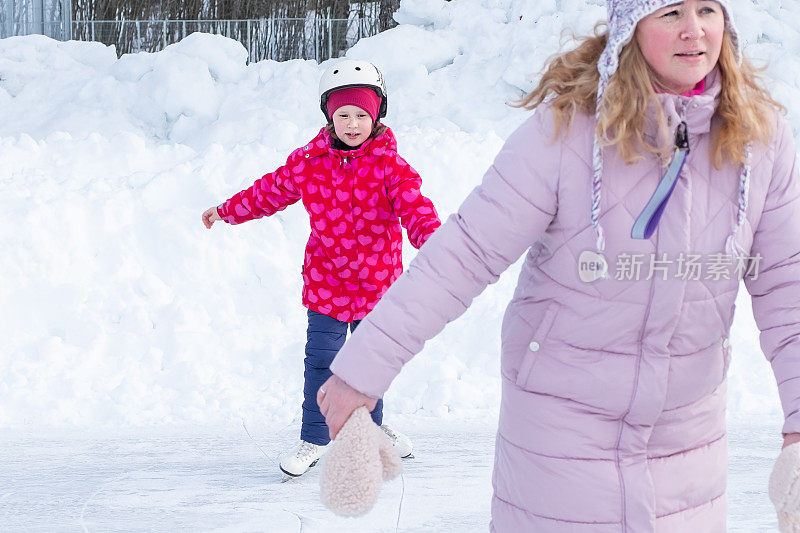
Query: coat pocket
537	342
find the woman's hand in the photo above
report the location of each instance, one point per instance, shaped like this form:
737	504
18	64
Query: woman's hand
210	216
337	400
790	438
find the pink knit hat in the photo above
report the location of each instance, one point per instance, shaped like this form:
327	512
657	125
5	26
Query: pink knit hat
362	97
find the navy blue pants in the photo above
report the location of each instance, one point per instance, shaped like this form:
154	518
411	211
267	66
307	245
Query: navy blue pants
324	339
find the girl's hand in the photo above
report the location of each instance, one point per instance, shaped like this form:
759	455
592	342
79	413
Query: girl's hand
210	216
337	400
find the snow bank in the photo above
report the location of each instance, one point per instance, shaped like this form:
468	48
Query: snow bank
117	307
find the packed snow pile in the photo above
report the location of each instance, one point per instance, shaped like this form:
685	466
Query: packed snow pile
117	307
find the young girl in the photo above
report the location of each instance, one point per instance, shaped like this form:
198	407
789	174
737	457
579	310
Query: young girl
651	139
358	192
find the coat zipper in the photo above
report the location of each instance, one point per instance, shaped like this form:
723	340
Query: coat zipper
646	223
682	137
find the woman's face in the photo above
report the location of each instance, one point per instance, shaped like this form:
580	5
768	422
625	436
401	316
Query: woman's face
681	43
352	125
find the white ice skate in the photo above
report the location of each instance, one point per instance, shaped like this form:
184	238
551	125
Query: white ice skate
302	457
401	444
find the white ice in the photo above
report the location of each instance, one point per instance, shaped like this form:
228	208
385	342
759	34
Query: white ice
221	480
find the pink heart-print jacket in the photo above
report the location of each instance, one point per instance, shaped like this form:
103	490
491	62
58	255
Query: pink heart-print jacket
357	200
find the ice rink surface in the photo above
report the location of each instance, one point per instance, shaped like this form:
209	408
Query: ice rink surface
227	482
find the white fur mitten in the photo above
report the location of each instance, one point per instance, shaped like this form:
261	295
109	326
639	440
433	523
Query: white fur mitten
357	463
784	488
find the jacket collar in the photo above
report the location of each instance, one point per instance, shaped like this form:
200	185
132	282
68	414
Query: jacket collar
697	111
322	144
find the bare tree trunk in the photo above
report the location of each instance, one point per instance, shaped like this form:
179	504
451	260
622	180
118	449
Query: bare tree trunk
338	10
313	35
385	17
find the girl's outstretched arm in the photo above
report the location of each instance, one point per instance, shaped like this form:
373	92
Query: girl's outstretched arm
269	194
416	211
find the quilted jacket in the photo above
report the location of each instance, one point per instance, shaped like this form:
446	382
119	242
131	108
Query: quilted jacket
613	391
357	200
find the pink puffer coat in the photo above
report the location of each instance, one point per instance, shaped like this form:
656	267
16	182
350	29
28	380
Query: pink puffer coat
613	409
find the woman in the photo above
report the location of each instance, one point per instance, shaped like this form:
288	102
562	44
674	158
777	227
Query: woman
654	175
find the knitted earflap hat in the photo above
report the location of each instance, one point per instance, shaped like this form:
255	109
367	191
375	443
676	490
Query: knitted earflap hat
623	16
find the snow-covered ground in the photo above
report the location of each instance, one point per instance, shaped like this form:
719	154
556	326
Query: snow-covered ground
122	318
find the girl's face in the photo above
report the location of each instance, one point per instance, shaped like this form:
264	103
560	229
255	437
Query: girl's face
681	43
352	125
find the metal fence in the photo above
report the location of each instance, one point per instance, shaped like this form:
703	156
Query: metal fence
279	38
45	17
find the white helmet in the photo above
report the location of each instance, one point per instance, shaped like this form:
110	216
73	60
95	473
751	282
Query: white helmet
351	73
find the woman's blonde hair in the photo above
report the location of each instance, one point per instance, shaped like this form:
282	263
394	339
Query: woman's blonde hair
569	84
